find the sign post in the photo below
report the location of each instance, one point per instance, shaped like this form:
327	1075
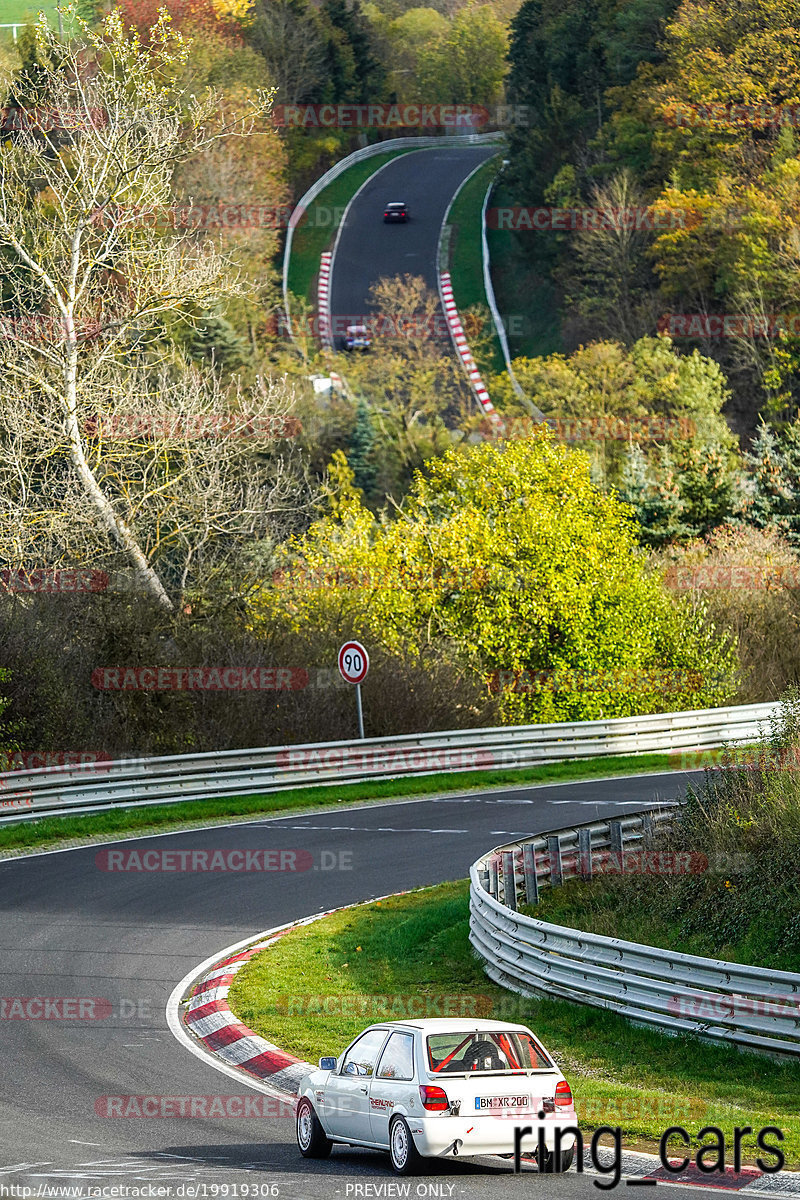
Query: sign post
353	667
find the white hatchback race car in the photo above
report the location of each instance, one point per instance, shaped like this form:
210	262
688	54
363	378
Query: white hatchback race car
440	1088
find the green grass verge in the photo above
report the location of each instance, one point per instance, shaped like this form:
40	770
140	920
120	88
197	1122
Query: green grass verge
122	822
516	275
318	228
24	11
466	256
320	985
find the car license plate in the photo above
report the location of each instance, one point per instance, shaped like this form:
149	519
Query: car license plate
484	1102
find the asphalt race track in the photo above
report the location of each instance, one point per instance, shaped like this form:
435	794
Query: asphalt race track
368	250
71	929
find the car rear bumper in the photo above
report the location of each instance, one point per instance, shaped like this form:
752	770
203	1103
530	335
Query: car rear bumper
464	1137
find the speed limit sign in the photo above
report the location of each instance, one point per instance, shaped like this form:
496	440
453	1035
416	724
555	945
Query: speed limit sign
353	667
353	662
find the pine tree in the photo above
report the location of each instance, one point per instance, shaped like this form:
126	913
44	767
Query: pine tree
215	338
789	443
366	75
706	488
654	494
774	464
359	451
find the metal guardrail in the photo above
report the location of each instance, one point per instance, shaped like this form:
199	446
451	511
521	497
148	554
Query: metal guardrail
497	319
130	782
377	148
752	1007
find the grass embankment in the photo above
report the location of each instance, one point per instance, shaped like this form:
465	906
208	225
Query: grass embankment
522	284
373	960
744	822
126	822
318	227
24	11
466	260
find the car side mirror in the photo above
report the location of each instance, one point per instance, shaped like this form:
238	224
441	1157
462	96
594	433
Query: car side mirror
327	1064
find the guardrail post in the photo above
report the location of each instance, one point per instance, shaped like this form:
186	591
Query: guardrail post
556	866
585	854
509	881
529	871
648	828
492	889
615	837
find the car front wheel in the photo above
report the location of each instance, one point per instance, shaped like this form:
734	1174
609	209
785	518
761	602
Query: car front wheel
311	1138
406	1159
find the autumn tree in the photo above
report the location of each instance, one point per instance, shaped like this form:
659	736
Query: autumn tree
239	190
408	38
467	63
93	284
606	396
289	36
511	555
608	274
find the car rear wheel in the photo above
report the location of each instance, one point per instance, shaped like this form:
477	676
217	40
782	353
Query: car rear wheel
406	1159
562	1163
311	1139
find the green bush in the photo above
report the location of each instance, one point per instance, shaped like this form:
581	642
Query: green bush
511	556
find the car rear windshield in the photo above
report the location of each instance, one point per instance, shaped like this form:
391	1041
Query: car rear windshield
498	1050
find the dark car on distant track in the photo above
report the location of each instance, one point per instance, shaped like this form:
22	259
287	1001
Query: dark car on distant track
396	211
356	338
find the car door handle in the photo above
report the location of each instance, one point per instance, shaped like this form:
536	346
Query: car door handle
364	1090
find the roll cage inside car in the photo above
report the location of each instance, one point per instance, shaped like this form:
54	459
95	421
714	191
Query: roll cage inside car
502	1041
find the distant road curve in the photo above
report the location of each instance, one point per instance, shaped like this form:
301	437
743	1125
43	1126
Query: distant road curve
367	249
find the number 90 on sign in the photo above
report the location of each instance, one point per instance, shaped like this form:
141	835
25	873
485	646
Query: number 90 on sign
353	662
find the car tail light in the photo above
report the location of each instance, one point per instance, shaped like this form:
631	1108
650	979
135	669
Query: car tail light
434	1099
563	1094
